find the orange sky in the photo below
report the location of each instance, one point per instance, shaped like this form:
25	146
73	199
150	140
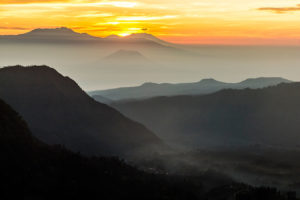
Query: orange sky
189	21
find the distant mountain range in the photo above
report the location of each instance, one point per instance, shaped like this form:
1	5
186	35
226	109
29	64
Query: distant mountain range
204	86
75	47
59	112
67	36
64	34
228	118
49	35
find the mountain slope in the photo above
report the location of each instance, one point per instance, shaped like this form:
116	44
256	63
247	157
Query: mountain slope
32	170
268	116
102	99
59	112
40	171
204	86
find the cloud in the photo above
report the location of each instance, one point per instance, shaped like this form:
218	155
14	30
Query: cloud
94	14
30	1
13	28
145	18
281	9
122	4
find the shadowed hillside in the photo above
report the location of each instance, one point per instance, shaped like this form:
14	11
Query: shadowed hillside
49	172
32	170
267	116
59	112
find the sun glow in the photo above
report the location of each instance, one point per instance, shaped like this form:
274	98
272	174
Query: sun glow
124	34
191	21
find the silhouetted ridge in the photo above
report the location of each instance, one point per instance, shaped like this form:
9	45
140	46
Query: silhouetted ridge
147	36
56	32
59	112
210	81
205	86
148	84
12	125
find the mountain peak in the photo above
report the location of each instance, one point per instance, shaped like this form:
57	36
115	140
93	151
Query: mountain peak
113	36
42	72
260	80
146	36
266	78
209	81
149	84
63	33
33	68
123	54
141	35
61	30
128	52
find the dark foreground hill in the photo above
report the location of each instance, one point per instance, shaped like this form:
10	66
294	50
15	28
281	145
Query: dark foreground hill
269	116
59	112
32	170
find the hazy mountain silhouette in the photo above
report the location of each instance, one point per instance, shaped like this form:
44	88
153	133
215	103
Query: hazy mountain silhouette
204	86
147	36
268	116
138	37
113	37
79	55
67	36
64	34
127	56
61	35
59	112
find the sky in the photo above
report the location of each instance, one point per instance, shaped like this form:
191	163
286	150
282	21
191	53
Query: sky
266	22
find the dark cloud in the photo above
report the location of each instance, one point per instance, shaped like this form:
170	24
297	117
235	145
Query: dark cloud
13	28
281	9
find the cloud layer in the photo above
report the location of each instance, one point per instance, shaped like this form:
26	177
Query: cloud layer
282	9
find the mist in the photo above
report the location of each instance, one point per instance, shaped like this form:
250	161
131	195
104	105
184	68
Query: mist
87	64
